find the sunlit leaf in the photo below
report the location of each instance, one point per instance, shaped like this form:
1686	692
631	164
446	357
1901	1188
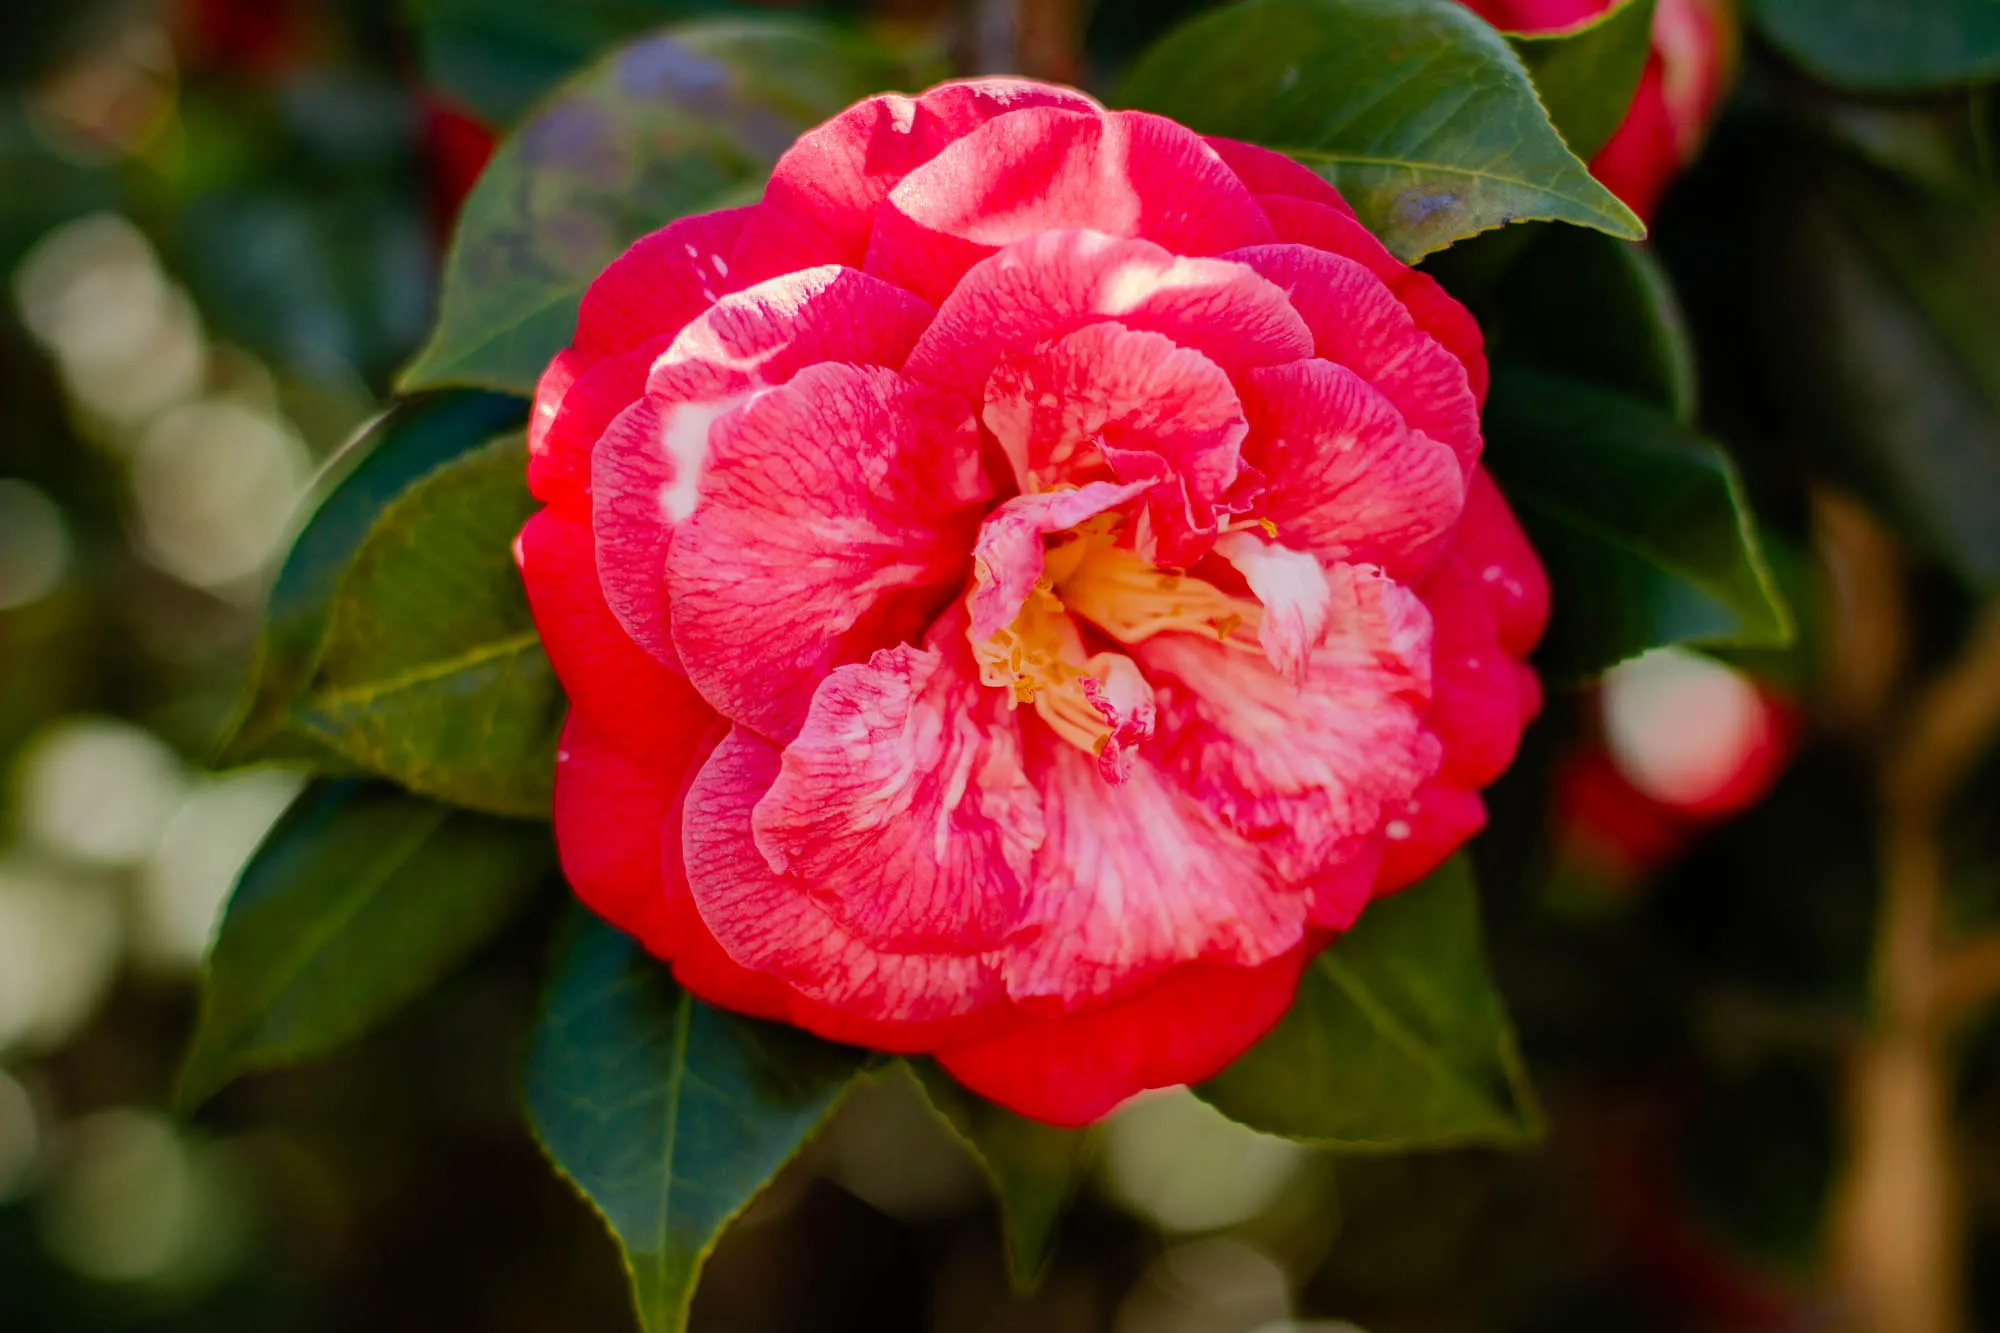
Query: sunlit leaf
402	446
361	899
1419	112
1397	1040
681	122
669	1115
432	673
1587	73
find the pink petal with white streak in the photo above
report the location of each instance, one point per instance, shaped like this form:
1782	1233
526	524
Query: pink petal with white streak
1345	479
1123	173
835	518
1047	286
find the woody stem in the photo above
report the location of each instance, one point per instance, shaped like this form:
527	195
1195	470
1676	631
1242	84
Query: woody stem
1898	1230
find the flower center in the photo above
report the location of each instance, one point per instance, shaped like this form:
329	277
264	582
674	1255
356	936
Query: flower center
1101	702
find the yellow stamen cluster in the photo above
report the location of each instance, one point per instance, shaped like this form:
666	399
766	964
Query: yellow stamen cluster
1040	658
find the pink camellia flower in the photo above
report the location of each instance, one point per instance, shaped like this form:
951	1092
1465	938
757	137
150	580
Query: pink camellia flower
1022	588
1693	57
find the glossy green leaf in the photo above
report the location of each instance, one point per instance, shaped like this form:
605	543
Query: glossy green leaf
1588	307
1397	1040
1642	524
1886	45
404	444
1587	74
1034	1169
1419	112
682	122
1890	359
669	1115
432	673
360	900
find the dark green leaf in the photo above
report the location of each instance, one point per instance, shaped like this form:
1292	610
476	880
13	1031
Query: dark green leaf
1642	524
1886	45
669	1115
432	673
1397	1039
412	439
497	56
682	122
360	900
1583	305
1034	1169
1419	112
1587	74
1889	355
1941	143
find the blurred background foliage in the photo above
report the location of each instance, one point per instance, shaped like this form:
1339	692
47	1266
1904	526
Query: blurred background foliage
221	223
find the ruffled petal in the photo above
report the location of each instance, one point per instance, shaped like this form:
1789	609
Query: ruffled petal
1071	1069
628	697
644	476
1476	710
1123	173
664	280
1308	772
903	803
647	465
1436	312
1345	479
771	331
1008	557
1050	285
645	297
819	206
774	924
1133	880
1357	322
569	419
836	515
1491	544
1292	588
1104	403
610	809
1433	824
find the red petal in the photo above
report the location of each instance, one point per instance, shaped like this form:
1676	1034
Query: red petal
1072	1069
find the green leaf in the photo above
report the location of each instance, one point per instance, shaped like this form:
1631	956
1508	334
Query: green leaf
1587	73
410	440
669	1115
360	900
1034	1169
1886	45
1642	524
1397	1039
1890	355
1583	305
682	122
497	56
432	673
1419	112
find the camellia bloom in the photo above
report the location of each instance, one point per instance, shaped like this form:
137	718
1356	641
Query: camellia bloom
1694	54
1022	588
